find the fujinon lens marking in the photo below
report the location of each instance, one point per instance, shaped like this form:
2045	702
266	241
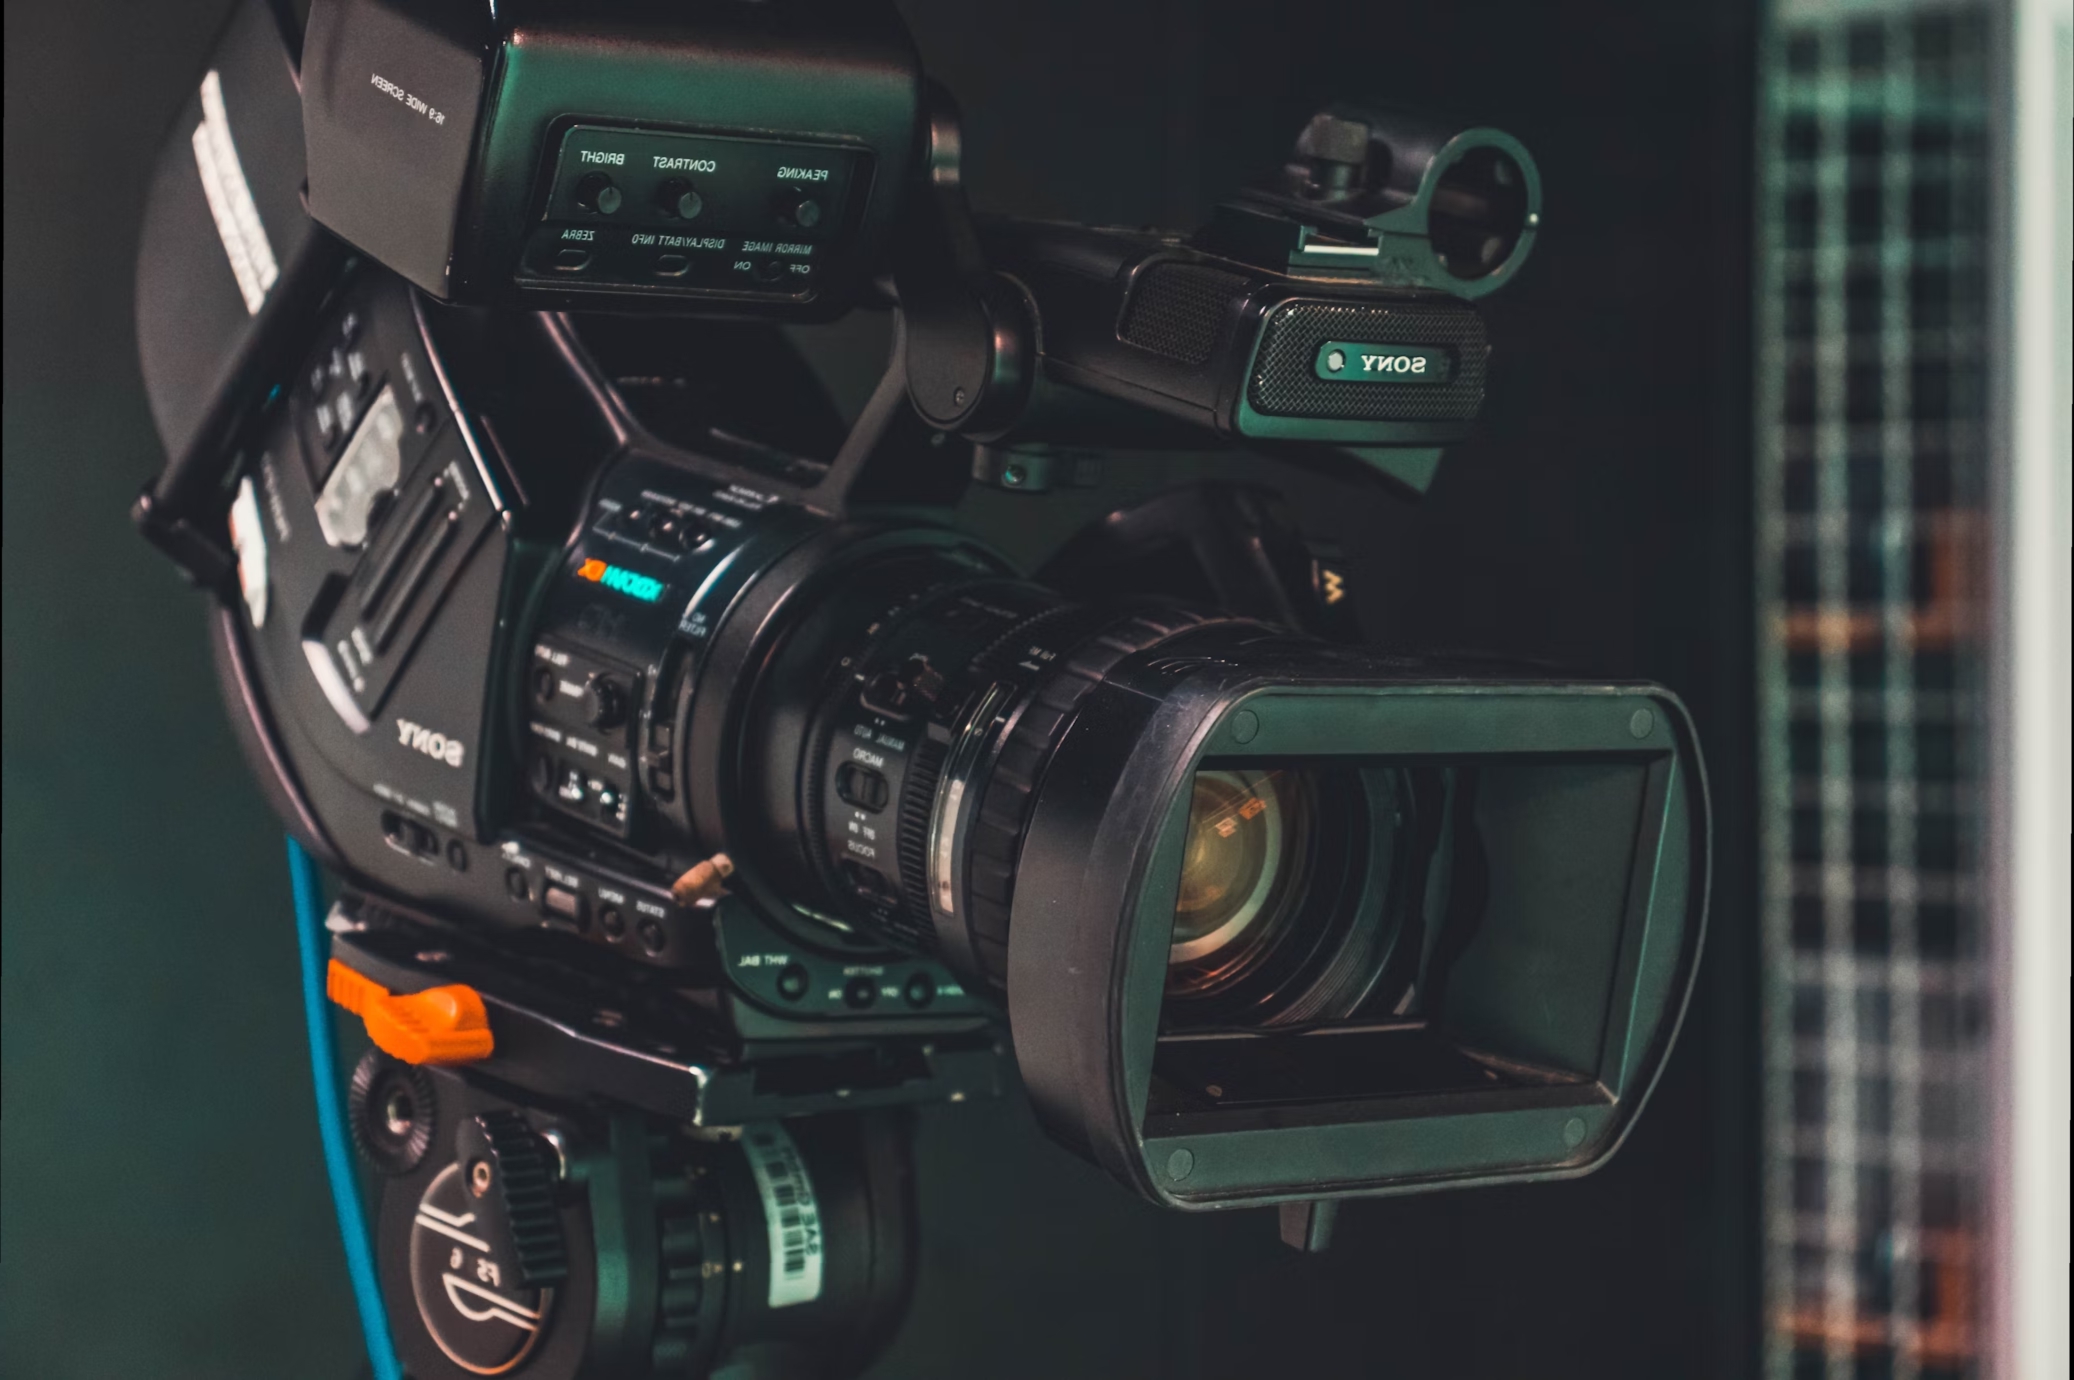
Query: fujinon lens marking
646	588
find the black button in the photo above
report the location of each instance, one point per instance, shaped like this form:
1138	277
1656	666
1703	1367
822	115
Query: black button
612	922
886	693
768	271
652	937
661	782
563	903
868	880
920	990
518	884
860	992
543	774
457	855
671	265
679	531
572	259
661	735
544	684
861	786
792	982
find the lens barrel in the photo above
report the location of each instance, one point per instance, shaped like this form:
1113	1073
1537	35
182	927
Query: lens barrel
1255	903
896	727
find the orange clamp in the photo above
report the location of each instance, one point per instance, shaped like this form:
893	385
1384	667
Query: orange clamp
443	1025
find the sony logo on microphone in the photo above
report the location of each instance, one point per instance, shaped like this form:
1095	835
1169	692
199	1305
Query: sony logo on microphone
437	746
1354	361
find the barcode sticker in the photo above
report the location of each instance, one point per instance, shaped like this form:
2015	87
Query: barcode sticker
789	1213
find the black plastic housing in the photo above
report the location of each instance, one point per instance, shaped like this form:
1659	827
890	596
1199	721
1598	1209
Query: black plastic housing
675	1248
437	132
1250	354
1580	952
230	275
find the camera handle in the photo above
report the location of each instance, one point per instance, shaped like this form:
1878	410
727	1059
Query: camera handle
969	347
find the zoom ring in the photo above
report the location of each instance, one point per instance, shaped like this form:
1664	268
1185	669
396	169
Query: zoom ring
1004	811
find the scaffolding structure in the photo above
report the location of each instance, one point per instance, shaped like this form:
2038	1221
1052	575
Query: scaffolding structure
1874	446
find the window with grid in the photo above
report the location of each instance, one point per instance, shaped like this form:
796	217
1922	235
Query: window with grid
1873	450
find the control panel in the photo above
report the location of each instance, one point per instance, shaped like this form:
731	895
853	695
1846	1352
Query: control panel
694	214
583	710
784	976
578	897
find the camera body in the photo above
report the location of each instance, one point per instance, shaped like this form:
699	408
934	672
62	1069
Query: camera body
671	720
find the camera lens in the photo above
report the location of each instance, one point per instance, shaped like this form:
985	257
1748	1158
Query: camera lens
1291	895
1245	872
916	667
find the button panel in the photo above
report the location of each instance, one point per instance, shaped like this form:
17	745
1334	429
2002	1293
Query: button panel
639	920
580	724
781	975
693	213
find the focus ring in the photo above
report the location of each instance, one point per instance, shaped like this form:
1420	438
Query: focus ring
917	800
1004	808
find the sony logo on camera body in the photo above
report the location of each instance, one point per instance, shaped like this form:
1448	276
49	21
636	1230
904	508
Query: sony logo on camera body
1354	361
438	746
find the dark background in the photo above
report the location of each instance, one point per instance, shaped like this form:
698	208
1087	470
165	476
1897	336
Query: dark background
162	1210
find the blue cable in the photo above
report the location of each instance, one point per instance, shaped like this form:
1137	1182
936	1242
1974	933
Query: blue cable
331	1116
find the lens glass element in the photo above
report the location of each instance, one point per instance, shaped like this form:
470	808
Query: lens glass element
1244	871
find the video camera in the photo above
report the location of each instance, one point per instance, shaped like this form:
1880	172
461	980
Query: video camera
703	795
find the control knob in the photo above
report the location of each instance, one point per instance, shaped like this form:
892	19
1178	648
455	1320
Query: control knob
604	702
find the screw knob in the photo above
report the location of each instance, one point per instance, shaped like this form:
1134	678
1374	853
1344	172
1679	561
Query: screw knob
604	702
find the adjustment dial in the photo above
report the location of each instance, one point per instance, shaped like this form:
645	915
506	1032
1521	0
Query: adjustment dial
796	208
679	198
598	193
604	702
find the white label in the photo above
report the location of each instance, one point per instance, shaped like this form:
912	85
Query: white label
789	1213
395	92
230	200
248	538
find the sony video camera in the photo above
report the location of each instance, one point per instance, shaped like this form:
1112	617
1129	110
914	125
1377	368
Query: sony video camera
703	790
